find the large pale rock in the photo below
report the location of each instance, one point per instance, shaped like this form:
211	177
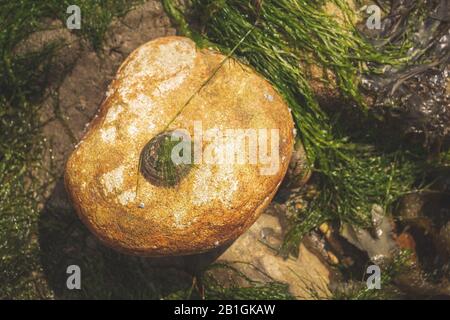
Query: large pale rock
214	203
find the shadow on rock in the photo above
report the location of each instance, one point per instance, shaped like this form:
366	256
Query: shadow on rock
105	273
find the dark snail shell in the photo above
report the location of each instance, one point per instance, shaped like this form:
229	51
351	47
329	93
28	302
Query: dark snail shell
156	163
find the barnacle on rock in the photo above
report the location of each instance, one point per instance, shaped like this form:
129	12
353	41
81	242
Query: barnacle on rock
156	163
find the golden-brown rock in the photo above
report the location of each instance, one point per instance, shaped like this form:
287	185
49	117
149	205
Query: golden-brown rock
215	201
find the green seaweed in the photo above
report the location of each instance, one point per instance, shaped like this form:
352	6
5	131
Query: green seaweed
242	287
401	264
288	36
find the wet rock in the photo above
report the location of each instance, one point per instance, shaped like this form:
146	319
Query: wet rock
55	32
414	99
146	22
378	242
256	254
427	215
423	228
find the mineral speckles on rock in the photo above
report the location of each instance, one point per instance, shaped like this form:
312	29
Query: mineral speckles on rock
126	197
108	135
268	97
171	66
110	91
171	58
208	184
132	129
170	84
141	106
113	114
175	56
179	215
124	92
113	180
